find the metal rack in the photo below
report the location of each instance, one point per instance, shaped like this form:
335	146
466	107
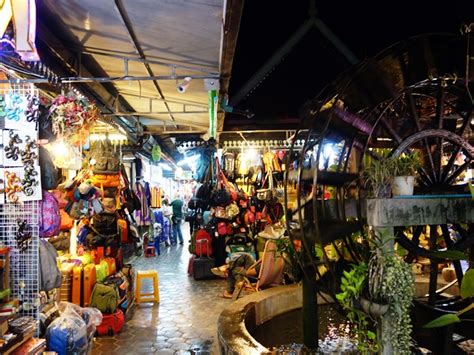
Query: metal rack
24	274
24	262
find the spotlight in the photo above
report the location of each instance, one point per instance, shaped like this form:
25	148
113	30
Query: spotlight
184	85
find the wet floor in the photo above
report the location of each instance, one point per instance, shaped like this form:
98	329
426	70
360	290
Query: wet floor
185	320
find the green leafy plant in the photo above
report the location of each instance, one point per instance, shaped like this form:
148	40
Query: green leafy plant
353	283
286	248
406	164
397	288
378	177
467	290
385	283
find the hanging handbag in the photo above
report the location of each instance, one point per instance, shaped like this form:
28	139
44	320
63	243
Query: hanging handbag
106	158
266	194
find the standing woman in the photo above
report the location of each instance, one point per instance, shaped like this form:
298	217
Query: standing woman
167	213
177	207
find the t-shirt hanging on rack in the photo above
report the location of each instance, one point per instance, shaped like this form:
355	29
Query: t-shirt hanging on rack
155	197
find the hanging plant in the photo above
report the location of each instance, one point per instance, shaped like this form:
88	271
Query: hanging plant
72	117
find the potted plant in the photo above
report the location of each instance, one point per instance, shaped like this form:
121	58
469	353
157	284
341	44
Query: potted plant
378	178
405	168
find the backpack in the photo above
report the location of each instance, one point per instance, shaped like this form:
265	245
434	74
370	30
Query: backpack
201	243
49	172
49	275
106	159
105	298
105	223
50	223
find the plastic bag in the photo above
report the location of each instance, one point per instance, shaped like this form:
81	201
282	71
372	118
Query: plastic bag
91	316
67	334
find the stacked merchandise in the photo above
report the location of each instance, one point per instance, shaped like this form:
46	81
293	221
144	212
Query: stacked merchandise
229	221
113	296
17	332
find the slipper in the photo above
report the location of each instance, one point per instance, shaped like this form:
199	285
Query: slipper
224	295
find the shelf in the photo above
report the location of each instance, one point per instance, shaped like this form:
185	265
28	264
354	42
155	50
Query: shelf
20	340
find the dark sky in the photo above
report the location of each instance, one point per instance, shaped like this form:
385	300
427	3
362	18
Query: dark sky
364	27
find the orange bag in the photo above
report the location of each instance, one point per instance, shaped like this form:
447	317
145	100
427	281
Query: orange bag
123	230
66	221
106	180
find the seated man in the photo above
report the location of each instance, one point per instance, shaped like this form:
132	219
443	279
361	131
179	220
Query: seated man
238	266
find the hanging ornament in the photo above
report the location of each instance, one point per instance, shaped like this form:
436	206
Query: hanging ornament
156	153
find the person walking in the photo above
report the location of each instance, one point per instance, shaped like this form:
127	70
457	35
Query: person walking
176	220
167	213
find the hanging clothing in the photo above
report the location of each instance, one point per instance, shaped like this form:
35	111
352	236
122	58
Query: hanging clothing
142	215
155	197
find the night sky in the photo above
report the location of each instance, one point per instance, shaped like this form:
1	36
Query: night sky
365	28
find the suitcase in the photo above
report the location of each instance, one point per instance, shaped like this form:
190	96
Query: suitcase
66	282
190	265
76	285
112	266
123	230
101	270
89	280
111	323
202	268
202	265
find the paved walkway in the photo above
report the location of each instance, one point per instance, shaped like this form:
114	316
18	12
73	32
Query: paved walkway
185	320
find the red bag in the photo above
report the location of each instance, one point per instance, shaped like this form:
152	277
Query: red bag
111	323
222	228
203	243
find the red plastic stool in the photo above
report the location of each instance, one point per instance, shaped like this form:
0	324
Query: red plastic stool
150	251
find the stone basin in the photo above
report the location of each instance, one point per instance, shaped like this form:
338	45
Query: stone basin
236	323
240	318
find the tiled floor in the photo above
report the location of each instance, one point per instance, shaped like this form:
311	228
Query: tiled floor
185	320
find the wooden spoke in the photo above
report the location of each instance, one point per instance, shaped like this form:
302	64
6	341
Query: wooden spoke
449	245
458	171
433	267
416	118
390	130
439	119
415	240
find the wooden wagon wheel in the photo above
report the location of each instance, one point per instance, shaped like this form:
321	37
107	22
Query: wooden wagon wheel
402	100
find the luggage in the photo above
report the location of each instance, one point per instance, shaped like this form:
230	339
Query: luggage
204	248
105	298
111	264
201	268
128	273
121	282
66	282
123	230
111	323
49	275
88	283
102	271
190	265
76	285
202	265
105	223
50	222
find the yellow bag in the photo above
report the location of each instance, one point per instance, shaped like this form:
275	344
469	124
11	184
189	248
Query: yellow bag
106	180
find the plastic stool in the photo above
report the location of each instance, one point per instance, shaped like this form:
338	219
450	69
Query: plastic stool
147	297
150	251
